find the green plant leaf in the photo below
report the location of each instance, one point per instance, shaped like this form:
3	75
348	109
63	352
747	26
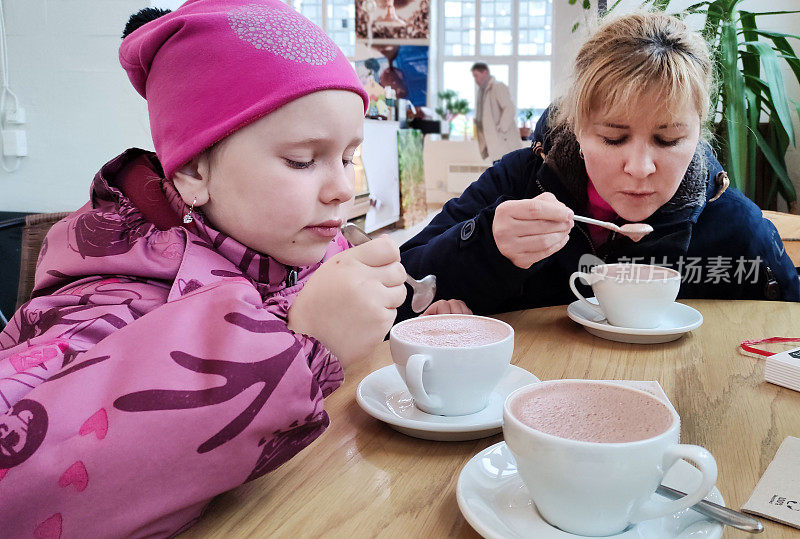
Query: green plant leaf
776	12
787	187
750	64
770	34
760	87
729	10
753	116
751	68
714	14
776	85
615	4
773	178
733	93
698	5
782	44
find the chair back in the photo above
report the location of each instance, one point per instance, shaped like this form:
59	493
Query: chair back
788	226
36	227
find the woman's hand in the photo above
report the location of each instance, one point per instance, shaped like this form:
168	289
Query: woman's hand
530	230
447	306
350	302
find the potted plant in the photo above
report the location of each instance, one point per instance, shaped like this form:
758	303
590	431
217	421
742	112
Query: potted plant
526	115
753	123
449	107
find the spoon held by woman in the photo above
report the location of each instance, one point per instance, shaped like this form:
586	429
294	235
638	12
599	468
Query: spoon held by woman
635	231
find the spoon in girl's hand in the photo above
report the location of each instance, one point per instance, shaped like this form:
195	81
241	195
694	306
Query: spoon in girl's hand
634	231
424	289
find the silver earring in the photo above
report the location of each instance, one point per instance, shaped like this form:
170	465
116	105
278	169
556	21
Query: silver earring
189	217
580	152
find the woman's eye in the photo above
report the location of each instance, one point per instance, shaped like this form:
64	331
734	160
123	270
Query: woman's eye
347	161
667	143
299	164
613	141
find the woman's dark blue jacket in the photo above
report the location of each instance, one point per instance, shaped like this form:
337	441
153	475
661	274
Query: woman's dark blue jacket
716	237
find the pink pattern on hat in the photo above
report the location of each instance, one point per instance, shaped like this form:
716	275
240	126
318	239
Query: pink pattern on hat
283	33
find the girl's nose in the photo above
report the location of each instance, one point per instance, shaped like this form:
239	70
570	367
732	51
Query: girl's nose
338	185
639	162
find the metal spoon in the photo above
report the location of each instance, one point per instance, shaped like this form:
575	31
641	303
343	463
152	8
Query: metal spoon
634	231
717	512
424	289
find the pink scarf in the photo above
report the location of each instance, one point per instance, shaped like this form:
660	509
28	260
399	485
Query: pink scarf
599	209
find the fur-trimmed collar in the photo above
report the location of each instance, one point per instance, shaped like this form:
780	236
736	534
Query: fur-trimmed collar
564	159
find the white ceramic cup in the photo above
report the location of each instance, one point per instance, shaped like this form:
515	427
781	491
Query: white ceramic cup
595	488
630	295
451	380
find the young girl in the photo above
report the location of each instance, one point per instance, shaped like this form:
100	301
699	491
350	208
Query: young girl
189	320
624	144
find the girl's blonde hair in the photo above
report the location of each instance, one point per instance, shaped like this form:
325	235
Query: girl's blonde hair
637	55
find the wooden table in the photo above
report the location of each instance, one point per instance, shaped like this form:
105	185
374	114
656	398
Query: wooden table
363	479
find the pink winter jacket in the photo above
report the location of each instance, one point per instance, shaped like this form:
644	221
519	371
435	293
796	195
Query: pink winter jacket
151	371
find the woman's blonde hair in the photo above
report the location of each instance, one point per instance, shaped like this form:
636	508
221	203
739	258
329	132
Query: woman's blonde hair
637	55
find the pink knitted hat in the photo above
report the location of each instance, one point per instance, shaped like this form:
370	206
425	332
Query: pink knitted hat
213	66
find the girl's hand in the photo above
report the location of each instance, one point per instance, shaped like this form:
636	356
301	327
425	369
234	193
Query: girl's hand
351	301
530	230
447	306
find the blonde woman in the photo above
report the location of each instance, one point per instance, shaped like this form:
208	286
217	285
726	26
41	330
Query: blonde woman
626	143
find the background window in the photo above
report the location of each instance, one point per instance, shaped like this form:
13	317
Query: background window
340	23
496	28
339	20
459	27
309	8
513	37
534	85
535	27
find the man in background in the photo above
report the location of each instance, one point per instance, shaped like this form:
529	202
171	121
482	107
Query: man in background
495	113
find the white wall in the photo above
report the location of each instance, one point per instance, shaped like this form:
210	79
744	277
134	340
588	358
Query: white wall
567	43
81	109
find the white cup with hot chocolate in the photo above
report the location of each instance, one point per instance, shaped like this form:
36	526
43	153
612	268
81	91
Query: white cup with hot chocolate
451	362
592	454
630	295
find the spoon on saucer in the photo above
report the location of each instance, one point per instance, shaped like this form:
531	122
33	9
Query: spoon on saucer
634	231
720	513
424	289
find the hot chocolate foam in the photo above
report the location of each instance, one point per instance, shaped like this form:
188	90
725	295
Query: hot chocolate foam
592	412
451	331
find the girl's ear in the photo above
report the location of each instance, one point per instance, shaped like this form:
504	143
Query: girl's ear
191	180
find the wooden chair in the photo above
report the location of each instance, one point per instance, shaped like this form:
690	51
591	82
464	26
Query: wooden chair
788	226
34	228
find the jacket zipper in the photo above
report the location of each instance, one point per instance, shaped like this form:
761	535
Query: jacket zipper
291	277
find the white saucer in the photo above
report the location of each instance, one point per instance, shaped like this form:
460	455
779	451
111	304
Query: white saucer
678	320
383	395
495	502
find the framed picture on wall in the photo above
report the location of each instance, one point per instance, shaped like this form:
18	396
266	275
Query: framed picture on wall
392	19
403	67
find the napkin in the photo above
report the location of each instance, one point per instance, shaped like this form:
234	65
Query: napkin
777	494
783	369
